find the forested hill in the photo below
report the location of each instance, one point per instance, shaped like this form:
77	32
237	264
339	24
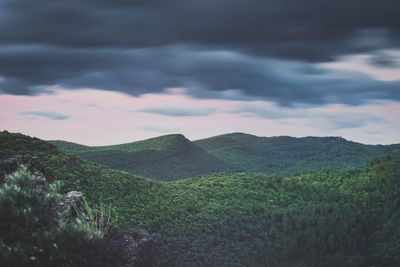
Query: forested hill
319	219
172	157
286	155
168	157
156	143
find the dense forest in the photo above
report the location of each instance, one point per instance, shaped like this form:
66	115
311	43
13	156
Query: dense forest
314	218
169	157
172	157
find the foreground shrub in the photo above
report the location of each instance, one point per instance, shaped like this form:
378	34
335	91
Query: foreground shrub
34	231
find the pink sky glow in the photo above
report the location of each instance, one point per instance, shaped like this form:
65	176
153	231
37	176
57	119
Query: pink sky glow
95	117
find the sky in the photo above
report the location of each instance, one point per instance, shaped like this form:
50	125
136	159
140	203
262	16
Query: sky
101	72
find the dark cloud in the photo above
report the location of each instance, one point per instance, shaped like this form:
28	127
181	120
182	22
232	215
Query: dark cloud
46	114
263	112
205	74
324	120
227	48
307	29
178	111
385	60
347	121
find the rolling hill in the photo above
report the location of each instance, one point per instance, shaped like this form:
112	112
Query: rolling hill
158	143
173	157
168	157
327	218
286	155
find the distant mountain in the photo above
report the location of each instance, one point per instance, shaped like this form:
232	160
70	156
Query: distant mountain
285	155
168	157
157	143
172	157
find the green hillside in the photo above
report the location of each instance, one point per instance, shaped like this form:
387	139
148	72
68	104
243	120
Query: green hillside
97	182
173	157
317	219
157	143
167	157
286	155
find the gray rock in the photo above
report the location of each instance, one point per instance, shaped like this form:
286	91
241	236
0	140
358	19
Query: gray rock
73	198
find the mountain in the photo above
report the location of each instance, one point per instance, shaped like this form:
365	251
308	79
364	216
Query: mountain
168	157
157	143
172	157
285	155
327	218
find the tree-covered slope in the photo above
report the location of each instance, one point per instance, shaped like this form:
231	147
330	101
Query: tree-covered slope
97	182
173	157
287	155
317	219
167	157
12	144
156	143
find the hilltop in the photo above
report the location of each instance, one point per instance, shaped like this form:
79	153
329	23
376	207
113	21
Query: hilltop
173	157
168	157
285	154
156	143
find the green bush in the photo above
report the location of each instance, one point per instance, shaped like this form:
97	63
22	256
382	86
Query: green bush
34	231
95	221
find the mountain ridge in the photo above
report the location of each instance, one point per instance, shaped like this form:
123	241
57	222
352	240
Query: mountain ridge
167	157
130	146
55	141
287	154
174	156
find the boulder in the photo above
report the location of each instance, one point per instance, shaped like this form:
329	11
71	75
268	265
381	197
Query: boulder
72	199
70	203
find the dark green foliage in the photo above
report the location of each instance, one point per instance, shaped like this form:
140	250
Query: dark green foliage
323	218
172	157
167	157
288	155
157	143
12	143
33	232
76	174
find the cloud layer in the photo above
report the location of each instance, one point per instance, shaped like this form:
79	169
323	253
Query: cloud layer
46	114
229	49
178	111
305	29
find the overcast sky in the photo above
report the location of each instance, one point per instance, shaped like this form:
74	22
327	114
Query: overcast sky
111	71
